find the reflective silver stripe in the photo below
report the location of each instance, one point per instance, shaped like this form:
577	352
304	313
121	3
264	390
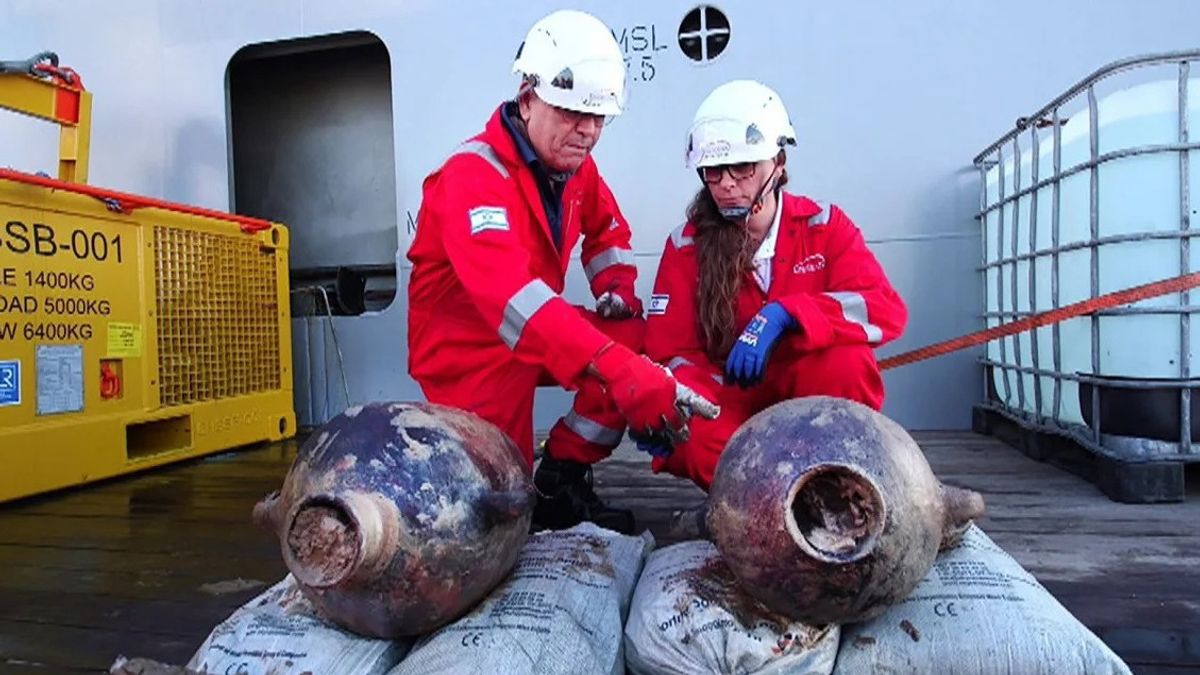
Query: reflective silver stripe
483	150
522	305
854	310
678	361
592	431
606	259
678	239
821	218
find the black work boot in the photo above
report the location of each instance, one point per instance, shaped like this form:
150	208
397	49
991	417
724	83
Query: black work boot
565	498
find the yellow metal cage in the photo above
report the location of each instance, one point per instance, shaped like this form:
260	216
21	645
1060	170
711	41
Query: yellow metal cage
133	332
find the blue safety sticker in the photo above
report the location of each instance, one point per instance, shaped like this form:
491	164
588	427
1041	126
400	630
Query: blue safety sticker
10	382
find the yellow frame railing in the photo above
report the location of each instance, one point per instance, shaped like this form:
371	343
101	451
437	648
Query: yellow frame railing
57	95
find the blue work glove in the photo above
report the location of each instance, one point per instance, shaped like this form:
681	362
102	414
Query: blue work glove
655	447
748	359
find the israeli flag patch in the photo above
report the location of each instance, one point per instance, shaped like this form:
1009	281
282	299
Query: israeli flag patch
484	218
658	304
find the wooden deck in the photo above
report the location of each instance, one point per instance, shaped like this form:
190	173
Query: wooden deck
147	565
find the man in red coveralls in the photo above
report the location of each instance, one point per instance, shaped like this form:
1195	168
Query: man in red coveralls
495	231
761	295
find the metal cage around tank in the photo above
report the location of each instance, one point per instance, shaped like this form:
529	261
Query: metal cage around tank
134	332
1126	412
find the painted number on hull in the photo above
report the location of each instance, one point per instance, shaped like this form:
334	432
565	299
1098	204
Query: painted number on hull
639	44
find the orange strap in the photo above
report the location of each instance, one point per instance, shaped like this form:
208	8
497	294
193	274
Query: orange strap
1101	302
121	202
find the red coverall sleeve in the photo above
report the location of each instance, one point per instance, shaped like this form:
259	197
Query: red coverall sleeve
860	306
672	337
607	254
479	218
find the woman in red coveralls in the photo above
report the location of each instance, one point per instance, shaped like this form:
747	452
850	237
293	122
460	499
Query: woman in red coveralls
762	295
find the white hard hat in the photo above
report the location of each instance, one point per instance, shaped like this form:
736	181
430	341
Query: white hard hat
739	121
576	63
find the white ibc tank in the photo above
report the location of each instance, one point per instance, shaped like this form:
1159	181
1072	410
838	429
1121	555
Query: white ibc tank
1136	194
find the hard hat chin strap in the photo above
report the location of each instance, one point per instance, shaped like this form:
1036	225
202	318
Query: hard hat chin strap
736	213
740	214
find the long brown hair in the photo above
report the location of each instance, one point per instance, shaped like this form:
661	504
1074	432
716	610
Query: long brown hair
724	254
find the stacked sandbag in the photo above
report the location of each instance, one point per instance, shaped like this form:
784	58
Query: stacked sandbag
977	612
690	617
561	610
281	633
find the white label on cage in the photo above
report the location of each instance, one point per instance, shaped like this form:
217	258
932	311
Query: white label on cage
59	379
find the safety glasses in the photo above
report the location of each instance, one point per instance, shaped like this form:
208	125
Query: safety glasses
575	118
711	175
